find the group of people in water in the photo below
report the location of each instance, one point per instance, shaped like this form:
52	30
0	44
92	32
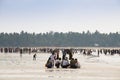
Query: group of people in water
55	61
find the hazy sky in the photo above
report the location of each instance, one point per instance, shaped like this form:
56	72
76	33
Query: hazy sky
59	15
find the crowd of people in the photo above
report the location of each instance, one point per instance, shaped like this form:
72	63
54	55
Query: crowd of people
55	61
110	51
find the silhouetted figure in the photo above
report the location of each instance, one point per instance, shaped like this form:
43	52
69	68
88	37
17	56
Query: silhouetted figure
1	49
57	52
84	52
21	51
98	53
64	54
6	50
70	54
34	57
29	50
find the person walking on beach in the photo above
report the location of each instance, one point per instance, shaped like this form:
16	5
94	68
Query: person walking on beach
64	54
70	52
34	57
57	53
21	51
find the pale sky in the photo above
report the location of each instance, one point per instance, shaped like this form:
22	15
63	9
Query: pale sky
59	15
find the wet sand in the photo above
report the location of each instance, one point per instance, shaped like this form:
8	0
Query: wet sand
12	67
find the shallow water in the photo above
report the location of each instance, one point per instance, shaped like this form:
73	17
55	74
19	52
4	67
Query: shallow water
12	67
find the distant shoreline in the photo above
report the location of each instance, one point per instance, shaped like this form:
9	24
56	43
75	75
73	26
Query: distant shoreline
69	47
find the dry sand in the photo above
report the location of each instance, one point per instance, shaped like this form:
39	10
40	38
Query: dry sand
12	67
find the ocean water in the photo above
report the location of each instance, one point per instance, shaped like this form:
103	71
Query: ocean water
14	67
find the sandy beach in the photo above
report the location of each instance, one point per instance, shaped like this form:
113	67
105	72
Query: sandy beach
12	67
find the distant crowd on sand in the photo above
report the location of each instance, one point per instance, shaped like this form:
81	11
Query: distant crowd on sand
106	51
55	61
36	50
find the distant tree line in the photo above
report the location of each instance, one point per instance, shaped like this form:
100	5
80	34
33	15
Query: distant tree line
60	39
